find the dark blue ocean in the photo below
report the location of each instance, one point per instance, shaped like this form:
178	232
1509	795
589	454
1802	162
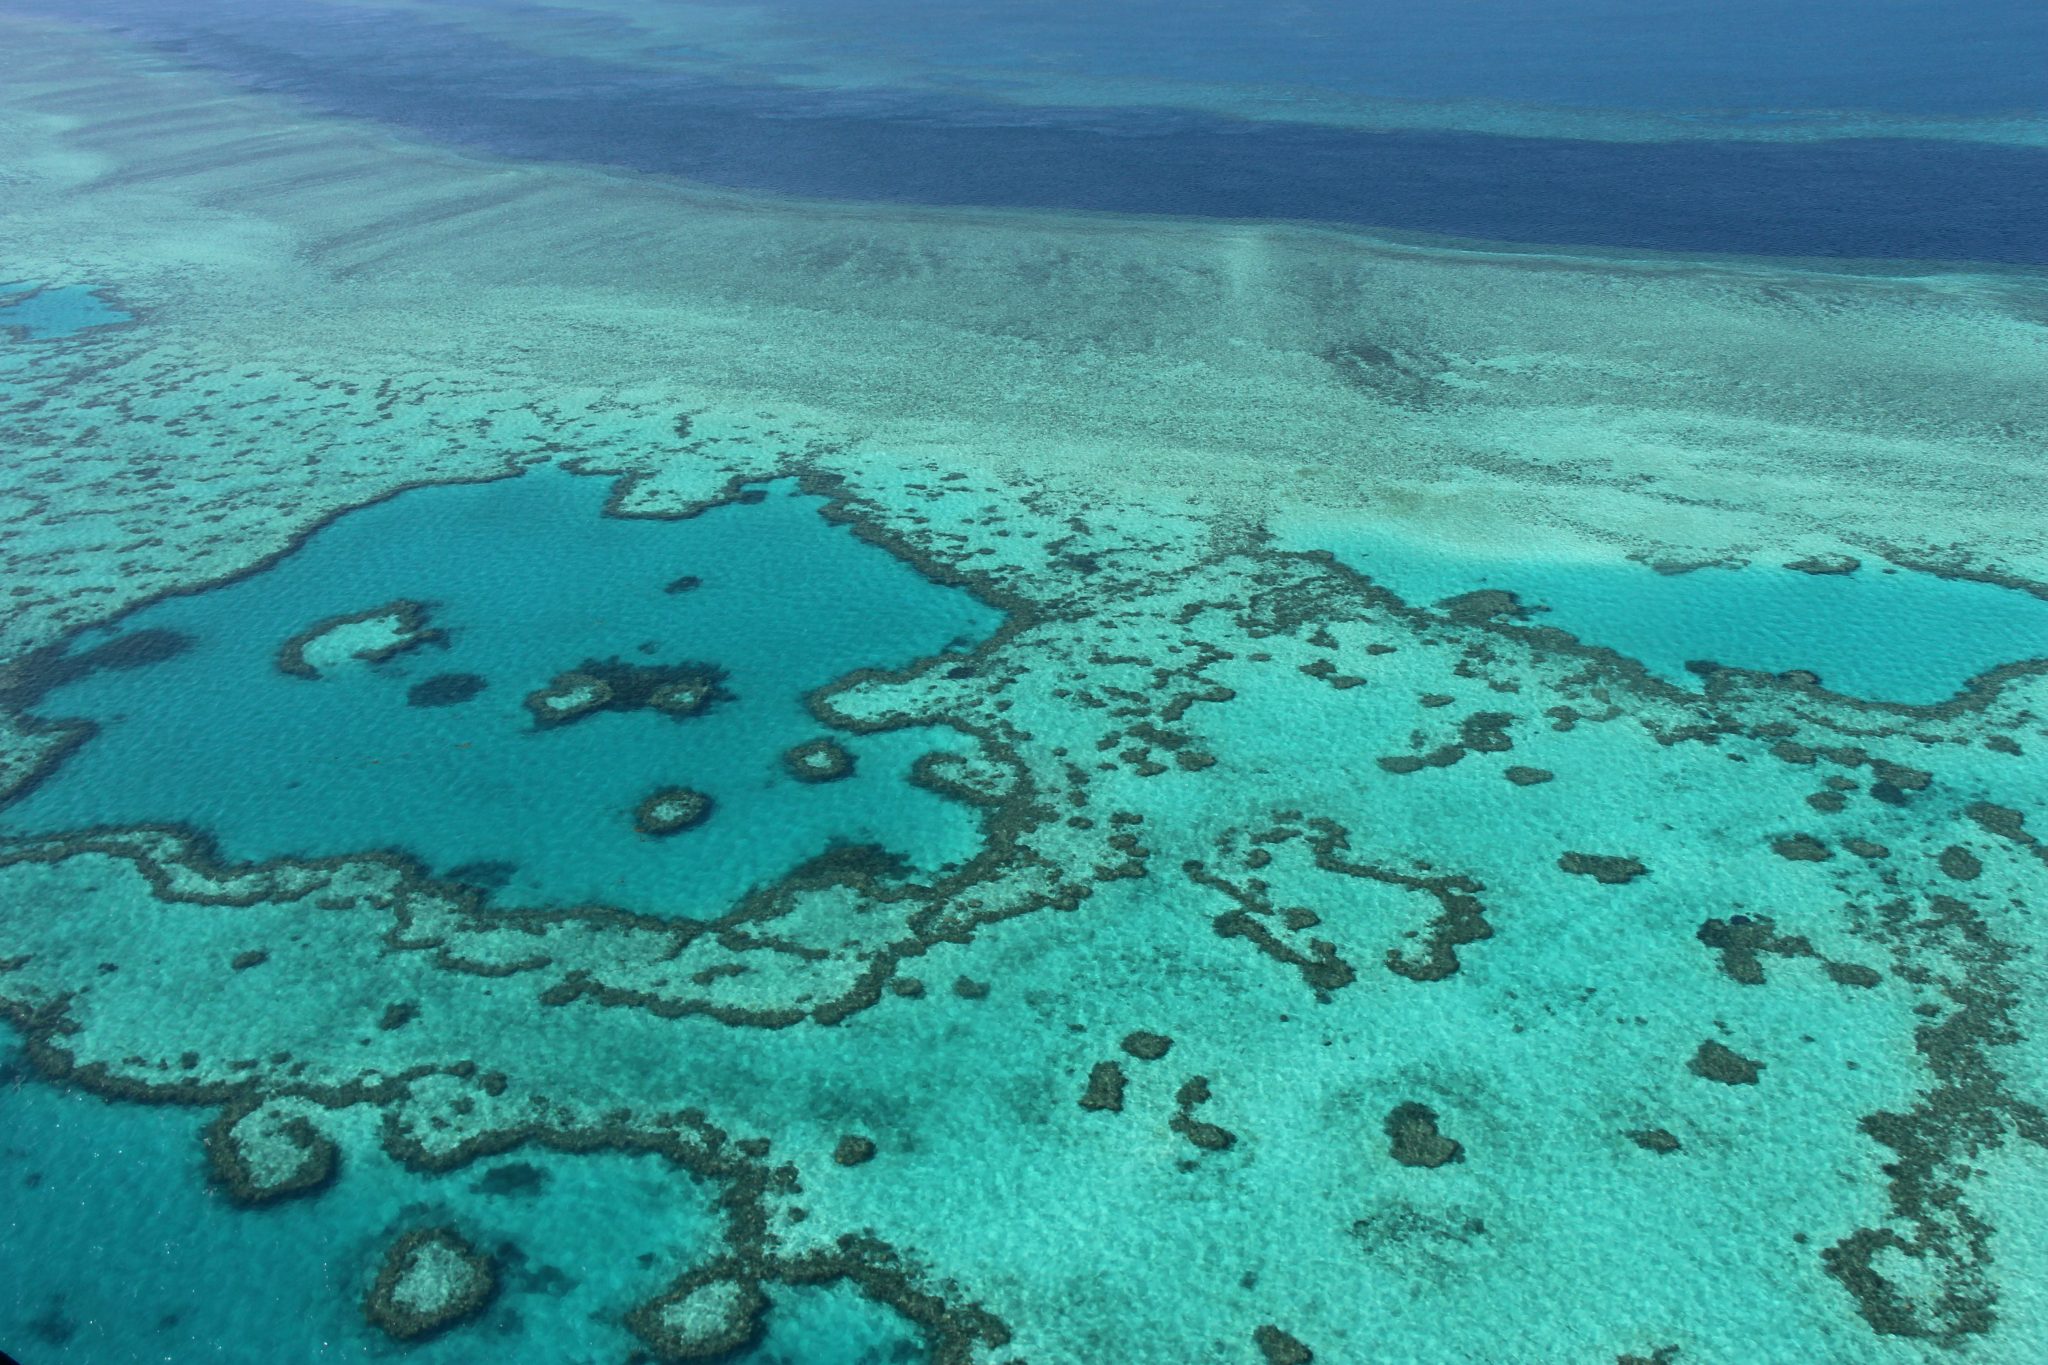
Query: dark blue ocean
1849	197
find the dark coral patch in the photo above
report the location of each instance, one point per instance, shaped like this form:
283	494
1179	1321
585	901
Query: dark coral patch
1147	1047
1281	1348
445	689
1662	1355
24	682
1801	848
1413	1139
1961	864
1403	764
1826	564
854	1150
1209	1137
1486	732
515	1180
679	690
1105	1091
1607	869
1742	941
487	875
1713	1062
1480	607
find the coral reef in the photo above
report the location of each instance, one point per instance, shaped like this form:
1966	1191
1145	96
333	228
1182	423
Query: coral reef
679	690
1413	1139
818	760
671	811
431	1279
374	635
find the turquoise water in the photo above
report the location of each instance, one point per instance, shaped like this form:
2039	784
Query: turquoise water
526	579
1012	903
580	1238
48	313
1880	633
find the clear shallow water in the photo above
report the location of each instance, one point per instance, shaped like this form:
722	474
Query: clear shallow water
46	314
528	579
582	1239
1330	985
1880	633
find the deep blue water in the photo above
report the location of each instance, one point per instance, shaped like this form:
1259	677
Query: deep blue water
1902	56
1847	198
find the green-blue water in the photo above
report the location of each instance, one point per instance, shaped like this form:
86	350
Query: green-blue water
786	684
525	579
158	1241
1879	632
40	314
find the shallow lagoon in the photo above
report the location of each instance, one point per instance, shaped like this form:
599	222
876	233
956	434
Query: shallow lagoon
527	579
579	1239
1879	633
49	314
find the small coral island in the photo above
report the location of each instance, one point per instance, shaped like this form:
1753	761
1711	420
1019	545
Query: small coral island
671	811
679	690
373	636
819	760
432	1278
267	1153
707	1315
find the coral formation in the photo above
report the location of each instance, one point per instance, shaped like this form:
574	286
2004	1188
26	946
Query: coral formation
1716	1062
1146	1047
445	689
431	1279
679	690
374	635
1105	1090
818	760
671	810
1413	1139
1606	868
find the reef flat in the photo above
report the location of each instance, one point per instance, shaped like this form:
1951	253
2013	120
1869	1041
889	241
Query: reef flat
1208	846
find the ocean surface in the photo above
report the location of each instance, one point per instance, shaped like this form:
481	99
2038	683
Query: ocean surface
1012	683
1859	196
